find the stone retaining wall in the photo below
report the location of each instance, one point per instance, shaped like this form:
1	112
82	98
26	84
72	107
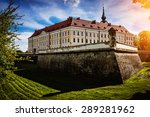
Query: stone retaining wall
103	66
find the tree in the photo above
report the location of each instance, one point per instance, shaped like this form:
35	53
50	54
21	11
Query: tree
19	51
144	40
8	33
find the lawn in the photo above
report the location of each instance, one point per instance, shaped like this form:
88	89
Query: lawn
17	88
137	87
42	85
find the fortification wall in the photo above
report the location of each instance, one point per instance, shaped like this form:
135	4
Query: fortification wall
129	63
100	65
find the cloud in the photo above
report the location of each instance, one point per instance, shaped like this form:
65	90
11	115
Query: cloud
32	24
130	15
49	11
23	42
144	3
120	12
73	3
29	18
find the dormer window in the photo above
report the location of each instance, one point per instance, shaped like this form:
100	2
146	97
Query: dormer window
93	22
109	24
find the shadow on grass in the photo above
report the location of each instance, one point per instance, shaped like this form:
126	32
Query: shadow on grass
56	80
141	96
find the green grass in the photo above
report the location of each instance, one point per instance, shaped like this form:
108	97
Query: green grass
19	88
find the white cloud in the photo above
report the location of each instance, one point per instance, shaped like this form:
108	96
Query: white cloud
23	42
46	12
130	15
32	24
73	3
125	13
29	18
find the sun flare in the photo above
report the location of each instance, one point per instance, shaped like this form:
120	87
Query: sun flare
145	3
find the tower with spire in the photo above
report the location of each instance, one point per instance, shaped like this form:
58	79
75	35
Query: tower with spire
103	16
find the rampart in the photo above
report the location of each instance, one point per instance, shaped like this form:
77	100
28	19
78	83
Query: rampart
110	65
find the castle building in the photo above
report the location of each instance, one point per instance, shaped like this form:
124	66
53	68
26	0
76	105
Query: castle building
75	32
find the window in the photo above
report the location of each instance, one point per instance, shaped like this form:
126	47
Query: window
86	33
74	40
68	40
90	34
68	32
78	33
74	33
101	35
86	40
93	34
94	41
90	40
82	40
82	34
78	40
105	35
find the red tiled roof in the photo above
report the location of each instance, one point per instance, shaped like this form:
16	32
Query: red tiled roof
77	22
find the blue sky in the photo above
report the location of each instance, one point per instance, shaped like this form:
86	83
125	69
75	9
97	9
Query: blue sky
41	13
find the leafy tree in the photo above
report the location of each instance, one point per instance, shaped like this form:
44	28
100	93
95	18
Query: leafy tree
19	51
144	40
8	33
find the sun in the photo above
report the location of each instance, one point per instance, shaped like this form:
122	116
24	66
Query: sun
145	3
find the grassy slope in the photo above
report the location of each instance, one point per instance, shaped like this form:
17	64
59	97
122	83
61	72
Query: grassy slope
16	87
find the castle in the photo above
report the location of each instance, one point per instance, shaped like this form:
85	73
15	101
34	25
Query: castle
75	32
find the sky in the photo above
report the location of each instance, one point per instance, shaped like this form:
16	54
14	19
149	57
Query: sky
37	14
